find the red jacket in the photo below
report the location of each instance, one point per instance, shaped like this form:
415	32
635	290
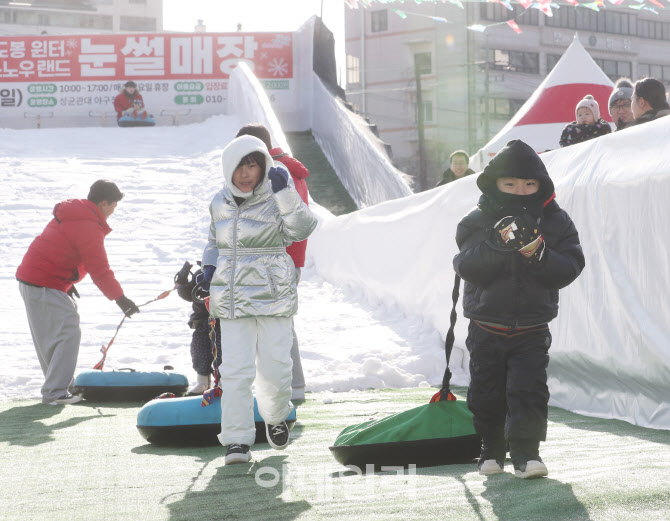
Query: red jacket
124	102
70	246
298	173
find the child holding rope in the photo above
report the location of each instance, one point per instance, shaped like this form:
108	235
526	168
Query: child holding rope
253	291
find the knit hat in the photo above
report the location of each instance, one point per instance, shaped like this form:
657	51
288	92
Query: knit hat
623	89
591	104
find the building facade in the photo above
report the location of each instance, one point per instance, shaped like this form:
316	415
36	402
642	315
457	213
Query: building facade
55	17
469	83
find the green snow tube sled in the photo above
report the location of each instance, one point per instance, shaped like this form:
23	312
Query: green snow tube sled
128	384
185	422
437	433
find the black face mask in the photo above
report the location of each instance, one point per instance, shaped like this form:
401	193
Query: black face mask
512	204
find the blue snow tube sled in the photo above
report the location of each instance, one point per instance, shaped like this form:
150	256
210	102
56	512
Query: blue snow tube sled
129	121
128	384
185	422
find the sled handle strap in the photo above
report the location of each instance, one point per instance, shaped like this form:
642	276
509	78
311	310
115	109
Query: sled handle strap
215	391
445	393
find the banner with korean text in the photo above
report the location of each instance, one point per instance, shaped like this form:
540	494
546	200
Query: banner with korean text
78	76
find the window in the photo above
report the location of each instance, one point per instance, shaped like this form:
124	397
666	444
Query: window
353	69
428	111
137	23
501	108
498	13
552	60
379	21
660	72
615	69
514	61
42	19
423	62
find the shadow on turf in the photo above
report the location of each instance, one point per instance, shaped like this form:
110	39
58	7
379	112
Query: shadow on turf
23	426
247	491
512	498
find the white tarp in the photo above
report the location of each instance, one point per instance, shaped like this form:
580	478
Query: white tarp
611	351
540	121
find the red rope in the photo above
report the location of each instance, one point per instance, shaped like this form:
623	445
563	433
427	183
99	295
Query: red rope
104	348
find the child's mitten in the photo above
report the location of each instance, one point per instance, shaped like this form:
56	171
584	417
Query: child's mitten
279	178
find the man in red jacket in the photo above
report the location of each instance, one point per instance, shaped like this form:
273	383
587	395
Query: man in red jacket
296	250
70	246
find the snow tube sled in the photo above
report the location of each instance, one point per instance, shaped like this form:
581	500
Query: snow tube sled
128	384
129	121
437	433
185	422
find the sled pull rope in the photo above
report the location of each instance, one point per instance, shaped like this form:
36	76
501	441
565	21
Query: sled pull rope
104	348
445	394
215	391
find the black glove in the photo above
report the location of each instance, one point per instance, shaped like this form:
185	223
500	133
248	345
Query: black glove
514	233
279	178
127	306
183	276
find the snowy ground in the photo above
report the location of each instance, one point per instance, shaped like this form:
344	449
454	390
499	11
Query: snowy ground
169	175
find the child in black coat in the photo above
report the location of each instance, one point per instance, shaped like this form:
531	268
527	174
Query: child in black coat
201	344
517	249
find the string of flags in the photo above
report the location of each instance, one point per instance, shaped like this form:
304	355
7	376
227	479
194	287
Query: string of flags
545	6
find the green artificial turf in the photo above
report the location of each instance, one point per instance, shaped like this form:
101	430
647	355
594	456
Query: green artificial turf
88	462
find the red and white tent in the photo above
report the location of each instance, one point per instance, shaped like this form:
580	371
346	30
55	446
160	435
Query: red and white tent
540	121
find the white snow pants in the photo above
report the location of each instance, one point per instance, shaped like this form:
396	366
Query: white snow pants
54	326
249	346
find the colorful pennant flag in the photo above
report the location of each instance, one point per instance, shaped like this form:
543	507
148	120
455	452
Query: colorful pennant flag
592	5
457	2
657	3
506	3
515	26
477	28
439	19
401	14
525	3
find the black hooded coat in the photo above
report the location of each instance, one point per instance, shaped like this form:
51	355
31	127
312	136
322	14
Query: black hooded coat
501	286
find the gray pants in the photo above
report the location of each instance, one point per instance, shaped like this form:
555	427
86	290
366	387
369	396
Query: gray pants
54	326
298	380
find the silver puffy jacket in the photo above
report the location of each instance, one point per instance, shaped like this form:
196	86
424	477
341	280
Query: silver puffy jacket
247	243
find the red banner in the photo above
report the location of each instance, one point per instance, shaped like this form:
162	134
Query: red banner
147	56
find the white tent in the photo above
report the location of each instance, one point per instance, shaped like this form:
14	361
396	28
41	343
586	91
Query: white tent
540	121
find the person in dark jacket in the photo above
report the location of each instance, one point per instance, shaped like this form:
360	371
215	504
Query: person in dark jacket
620	103
587	125
517	249
296	250
71	246
201	344
649	101
458	168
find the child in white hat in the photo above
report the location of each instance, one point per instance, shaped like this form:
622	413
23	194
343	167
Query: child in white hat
587	125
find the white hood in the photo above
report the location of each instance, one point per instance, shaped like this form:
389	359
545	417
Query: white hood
233	154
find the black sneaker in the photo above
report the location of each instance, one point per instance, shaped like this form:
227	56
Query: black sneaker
237	453
67	399
277	435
